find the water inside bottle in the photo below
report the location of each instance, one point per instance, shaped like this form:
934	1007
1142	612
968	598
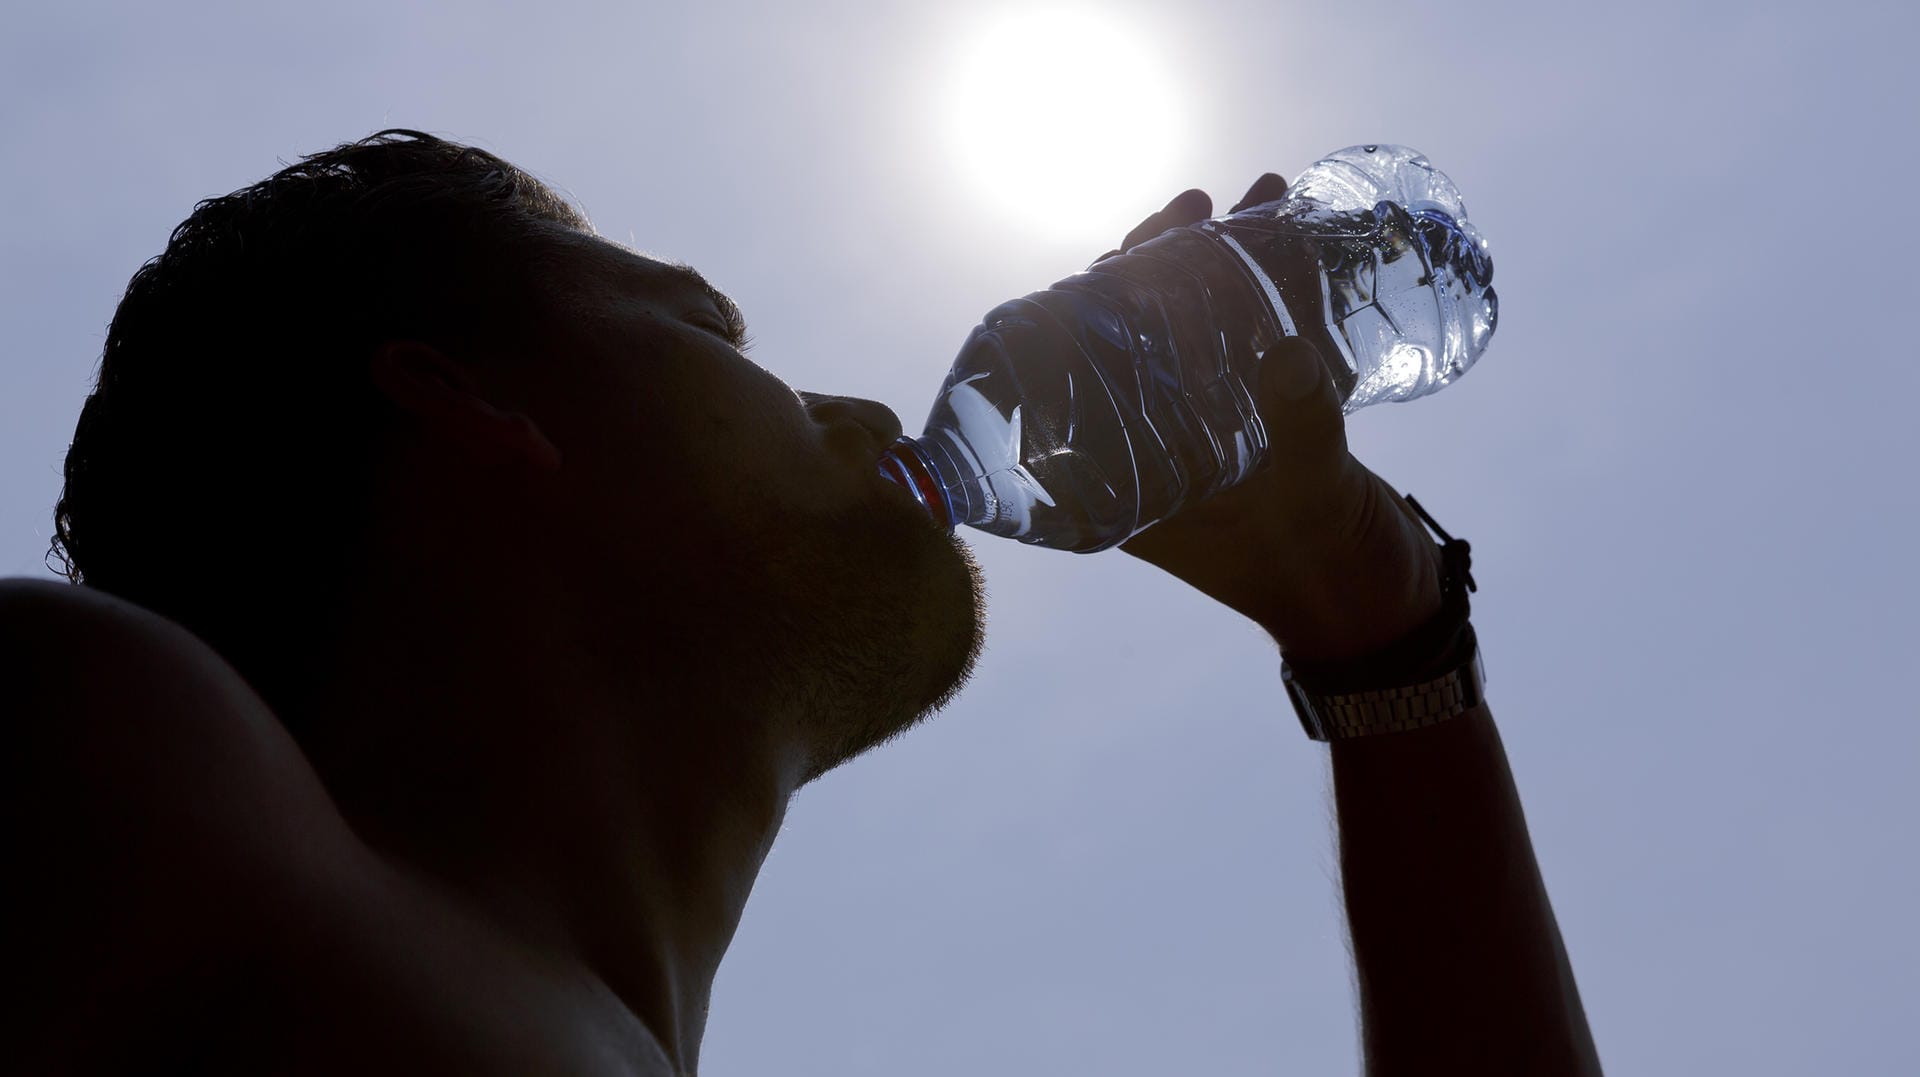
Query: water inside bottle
1078	415
1171	415
1405	291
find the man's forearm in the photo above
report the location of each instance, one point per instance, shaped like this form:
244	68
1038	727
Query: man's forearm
1460	964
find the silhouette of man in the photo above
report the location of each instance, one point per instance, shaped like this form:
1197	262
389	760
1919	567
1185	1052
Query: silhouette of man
462	608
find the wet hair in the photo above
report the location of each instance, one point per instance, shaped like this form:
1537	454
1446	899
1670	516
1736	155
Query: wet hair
221	468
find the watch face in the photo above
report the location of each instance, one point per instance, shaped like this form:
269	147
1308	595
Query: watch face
1302	705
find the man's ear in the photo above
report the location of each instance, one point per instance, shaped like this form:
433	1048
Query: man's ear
435	390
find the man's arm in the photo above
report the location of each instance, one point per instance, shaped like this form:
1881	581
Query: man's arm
1461	966
1459	960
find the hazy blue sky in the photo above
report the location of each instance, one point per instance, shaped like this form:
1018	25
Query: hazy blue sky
1685	464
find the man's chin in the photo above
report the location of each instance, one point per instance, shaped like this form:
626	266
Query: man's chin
933	654
949	613
975	605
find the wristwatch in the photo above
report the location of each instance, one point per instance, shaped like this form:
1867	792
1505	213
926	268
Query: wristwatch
1433	674
1364	712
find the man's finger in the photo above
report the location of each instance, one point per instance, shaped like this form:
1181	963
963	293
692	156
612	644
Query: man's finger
1268	188
1187	207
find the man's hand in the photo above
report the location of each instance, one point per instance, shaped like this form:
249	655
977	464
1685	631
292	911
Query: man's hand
1473	976
1312	546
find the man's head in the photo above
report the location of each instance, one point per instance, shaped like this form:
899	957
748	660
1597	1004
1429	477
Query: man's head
405	356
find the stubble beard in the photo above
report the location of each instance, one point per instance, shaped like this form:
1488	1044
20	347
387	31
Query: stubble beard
890	657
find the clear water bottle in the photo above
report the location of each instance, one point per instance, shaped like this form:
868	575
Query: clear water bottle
1077	416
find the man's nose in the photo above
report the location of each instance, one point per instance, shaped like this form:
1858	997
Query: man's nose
878	419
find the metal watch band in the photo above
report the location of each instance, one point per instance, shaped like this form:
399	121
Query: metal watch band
1341	715
1349	700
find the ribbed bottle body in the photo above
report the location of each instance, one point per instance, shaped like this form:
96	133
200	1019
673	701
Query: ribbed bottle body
1076	416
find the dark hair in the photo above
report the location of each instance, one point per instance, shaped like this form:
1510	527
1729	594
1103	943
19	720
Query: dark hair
223	458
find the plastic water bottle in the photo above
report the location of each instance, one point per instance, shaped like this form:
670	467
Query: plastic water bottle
1078	416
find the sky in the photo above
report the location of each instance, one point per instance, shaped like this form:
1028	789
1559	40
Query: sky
1685	464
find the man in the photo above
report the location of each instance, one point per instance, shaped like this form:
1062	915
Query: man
463	608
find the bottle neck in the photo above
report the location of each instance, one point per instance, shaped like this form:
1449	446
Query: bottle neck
909	463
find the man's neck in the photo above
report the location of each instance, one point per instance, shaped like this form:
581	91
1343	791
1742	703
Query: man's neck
593	812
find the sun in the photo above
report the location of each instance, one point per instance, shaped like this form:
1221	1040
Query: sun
1067	120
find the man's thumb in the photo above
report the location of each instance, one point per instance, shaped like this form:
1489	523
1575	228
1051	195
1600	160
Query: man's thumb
1300	406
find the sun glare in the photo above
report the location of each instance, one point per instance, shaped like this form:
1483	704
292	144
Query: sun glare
1067	120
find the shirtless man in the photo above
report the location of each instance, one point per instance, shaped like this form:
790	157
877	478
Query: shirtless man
462	608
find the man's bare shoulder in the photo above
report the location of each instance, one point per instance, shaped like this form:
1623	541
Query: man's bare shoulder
131	704
55	631
153	807
193	897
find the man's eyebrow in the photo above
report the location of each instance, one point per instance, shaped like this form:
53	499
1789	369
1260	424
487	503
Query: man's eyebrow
681	275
